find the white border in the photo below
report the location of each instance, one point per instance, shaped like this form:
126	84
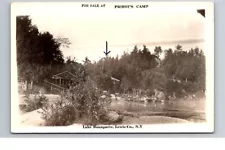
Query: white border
162	128
108	143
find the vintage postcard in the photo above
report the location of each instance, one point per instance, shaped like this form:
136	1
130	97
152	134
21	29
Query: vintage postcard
143	67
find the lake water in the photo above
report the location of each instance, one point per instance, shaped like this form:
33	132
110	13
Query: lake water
183	109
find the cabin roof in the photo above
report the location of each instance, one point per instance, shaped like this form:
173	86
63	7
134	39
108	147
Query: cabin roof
64	75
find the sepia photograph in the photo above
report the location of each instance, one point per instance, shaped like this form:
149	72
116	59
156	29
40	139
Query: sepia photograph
143	67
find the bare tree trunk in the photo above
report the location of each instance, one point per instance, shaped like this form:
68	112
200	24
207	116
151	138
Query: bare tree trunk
26	85
31	85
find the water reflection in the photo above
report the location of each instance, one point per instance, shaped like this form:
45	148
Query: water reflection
181	108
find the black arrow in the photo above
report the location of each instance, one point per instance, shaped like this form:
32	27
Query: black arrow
106	51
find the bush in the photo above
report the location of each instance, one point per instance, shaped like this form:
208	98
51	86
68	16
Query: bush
88	103
60	113
81	103
33	103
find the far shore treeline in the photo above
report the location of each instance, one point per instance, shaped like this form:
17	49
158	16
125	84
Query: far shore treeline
39	56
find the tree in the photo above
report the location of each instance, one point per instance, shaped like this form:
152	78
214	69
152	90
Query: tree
186	66
63	41
49	50
86	61
154	78
157	51
37	53
140	70
178	47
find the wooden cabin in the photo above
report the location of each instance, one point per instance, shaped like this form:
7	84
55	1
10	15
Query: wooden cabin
61	81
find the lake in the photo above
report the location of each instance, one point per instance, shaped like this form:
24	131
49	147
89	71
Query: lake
191	110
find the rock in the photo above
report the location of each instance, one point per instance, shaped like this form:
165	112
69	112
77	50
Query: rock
105	92
112	95
103	96
113	116
120	99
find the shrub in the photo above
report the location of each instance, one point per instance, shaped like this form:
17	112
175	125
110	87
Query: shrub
81	103
33	103
59	113
88	103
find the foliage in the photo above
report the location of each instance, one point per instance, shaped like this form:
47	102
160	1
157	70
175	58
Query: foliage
82	103
188	67
86	99
37	52
154	79
142	70
128	70
59	113
158	50
35	102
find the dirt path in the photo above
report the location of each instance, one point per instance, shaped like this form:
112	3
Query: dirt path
32	118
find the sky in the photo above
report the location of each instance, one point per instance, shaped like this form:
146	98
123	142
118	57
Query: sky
89	28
